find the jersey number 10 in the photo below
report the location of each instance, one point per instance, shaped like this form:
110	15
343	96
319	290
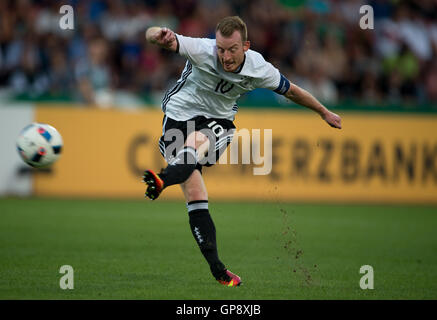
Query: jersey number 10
222	86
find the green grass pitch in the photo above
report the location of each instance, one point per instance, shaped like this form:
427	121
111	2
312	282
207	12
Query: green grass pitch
144	250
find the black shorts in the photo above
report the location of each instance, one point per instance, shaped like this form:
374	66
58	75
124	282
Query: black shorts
174	133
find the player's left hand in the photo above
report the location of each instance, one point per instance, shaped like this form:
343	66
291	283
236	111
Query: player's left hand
332	119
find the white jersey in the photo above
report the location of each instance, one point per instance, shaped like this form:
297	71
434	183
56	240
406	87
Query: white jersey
205	89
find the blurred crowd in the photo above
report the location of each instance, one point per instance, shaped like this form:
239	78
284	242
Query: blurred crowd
318	44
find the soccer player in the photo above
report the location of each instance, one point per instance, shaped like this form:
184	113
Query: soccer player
216	73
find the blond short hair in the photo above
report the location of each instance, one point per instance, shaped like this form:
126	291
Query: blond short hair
227	26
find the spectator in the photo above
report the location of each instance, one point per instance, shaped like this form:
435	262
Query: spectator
320	85
28	77
431	81
93	75
60	77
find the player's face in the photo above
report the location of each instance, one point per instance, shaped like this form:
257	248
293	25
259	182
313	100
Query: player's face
231	50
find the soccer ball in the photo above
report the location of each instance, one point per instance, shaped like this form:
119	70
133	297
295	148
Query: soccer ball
39	145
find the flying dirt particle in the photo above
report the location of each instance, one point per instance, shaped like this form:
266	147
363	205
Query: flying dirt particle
298	253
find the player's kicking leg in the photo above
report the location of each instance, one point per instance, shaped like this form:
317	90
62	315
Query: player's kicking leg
179	168
155	185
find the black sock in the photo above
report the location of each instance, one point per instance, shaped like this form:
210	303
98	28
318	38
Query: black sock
203	230
180	168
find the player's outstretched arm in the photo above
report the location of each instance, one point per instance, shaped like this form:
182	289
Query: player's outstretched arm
162	37
306	99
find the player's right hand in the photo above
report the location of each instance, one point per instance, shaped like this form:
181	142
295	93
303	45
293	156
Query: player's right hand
164	37
167	37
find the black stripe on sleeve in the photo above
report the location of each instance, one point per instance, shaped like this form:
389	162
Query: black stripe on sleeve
177	47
